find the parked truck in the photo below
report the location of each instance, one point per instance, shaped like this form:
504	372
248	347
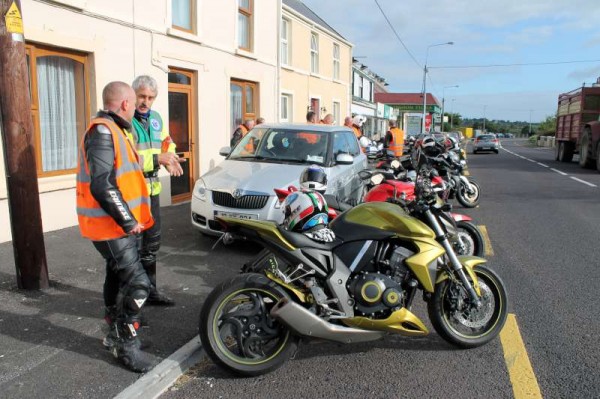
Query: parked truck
578	126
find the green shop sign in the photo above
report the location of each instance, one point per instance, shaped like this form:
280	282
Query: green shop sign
416	108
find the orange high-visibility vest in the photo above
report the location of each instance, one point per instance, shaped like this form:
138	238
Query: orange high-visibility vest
397	144
94	222
357	131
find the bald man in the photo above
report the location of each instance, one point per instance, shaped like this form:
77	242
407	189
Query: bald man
113	206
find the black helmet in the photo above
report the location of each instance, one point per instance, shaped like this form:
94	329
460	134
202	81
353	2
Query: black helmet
314	178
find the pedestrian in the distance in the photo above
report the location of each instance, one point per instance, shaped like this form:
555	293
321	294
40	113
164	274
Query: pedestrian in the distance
394	139
113	207
327	120
241	131
311	117
155	148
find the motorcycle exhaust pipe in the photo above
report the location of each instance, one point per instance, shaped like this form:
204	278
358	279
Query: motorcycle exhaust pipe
308	324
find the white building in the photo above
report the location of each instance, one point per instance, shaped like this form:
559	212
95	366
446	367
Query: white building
215	63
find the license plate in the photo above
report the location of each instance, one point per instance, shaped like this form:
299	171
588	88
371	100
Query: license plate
237	215
485	148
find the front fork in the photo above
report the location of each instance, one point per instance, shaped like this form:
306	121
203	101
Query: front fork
454	262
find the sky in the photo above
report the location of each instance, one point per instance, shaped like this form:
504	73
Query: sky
557	33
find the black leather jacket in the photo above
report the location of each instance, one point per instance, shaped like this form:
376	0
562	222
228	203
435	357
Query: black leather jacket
100	153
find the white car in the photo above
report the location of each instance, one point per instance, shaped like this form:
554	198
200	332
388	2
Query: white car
273	156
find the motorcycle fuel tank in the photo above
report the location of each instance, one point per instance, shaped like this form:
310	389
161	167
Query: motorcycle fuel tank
375	220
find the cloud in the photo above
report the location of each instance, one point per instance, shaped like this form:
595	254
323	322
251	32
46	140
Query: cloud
587	74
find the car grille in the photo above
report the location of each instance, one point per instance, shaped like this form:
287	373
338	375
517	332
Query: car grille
244	202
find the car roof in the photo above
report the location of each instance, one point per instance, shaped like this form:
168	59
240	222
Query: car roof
306	127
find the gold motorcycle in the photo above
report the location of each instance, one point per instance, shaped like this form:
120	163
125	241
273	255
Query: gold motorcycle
355	289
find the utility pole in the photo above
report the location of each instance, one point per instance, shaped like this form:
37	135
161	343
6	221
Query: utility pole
484	107
19	154
530	122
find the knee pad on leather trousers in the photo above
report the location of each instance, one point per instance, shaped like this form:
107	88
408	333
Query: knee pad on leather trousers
134	300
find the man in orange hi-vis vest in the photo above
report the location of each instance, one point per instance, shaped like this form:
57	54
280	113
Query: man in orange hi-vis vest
394	139
113	206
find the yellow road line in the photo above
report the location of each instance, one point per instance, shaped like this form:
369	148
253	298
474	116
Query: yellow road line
521	374
489	251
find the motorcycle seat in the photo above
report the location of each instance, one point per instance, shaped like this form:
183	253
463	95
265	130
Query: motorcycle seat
299	240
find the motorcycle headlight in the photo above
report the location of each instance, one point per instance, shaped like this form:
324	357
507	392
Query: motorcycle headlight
200	190
463	163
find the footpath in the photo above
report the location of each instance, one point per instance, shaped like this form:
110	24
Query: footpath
50	340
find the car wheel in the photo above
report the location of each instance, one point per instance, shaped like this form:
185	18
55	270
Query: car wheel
598	158
496	151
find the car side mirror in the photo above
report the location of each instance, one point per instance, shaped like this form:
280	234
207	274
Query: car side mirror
344	159
225	151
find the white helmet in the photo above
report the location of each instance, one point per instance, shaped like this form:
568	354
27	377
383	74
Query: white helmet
358	120
305	210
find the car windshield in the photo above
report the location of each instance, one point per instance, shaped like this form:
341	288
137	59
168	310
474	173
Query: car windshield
282	145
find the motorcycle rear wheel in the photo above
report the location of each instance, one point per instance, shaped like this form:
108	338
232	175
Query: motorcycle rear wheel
237	330
472	239
459	323
464	198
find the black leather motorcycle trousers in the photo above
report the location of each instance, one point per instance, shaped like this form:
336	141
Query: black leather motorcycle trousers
149	241
126	285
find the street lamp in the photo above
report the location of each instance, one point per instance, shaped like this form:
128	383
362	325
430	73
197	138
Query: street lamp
425	82
443	99
452	113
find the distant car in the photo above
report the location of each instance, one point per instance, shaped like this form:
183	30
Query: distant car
500	135
273	156
486	142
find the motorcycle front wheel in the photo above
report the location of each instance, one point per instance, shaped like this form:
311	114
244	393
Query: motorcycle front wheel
472	240
468	196
459	322
237	330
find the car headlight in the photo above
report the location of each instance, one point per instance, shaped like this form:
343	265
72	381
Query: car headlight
200	190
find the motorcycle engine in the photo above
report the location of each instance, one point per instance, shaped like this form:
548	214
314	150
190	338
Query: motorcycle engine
380	290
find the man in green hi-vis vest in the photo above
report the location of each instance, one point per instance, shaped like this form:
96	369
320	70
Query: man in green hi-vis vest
155	148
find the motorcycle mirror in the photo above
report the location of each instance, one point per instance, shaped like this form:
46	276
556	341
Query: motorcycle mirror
365	174
377	178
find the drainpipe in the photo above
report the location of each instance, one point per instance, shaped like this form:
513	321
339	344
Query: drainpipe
278	71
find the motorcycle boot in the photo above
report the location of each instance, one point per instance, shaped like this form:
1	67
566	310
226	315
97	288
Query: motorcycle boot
110	340
127	347
155	297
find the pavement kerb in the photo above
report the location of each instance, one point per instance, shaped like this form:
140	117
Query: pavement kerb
152	384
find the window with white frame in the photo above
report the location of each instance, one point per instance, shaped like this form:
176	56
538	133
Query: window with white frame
181	14
360	86
336	113
285	40
285	114
336	61
314	53
245	22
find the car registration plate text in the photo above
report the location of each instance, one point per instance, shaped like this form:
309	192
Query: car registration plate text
236	215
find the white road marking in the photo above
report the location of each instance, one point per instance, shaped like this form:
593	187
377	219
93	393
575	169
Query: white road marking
554	170
583	181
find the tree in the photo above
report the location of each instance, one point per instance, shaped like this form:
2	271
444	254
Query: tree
548	126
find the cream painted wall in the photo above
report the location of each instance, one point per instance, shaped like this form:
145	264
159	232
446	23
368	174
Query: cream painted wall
297	79
135	38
